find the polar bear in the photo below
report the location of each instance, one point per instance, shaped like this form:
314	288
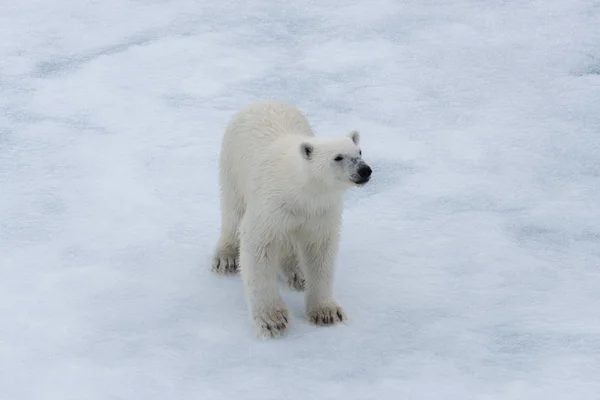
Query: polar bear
281	208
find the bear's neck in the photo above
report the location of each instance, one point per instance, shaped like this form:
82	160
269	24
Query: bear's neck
313	191
307	205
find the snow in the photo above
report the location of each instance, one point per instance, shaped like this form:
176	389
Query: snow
470	265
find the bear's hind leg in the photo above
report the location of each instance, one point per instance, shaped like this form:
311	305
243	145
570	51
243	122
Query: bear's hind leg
226	254
290	269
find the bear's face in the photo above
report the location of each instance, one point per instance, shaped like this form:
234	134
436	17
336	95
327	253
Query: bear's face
337	163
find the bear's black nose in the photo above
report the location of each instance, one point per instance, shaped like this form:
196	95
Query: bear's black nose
364	171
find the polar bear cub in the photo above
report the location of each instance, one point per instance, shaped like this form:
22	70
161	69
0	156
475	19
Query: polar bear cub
281	208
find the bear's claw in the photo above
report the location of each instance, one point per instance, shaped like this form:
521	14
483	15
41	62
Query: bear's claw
327	315
225	265
273	323
296	282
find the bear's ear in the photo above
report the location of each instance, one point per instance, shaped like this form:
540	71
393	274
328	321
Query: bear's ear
307	150
355	136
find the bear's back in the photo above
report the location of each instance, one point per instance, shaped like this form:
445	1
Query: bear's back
268	120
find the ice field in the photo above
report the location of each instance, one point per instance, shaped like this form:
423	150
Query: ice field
469	265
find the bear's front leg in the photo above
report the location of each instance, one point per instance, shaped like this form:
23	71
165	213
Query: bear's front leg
319	258
259	267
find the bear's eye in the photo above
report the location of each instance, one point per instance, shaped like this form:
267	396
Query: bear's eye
360	152
339	158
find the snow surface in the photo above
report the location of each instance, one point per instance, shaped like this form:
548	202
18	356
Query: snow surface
470	265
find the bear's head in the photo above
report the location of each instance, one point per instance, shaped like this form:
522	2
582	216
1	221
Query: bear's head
336	163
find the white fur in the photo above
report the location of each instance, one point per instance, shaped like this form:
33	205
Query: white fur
281	208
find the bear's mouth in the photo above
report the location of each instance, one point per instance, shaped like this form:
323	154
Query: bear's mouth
361	181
